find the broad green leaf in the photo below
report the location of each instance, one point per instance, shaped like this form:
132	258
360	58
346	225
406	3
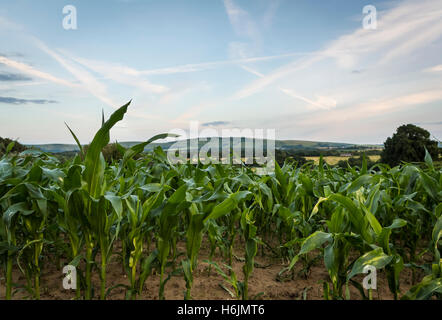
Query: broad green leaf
116	203
359	182
424	290
315	240
92	173
428	160
376	258
373	221
397	223
227	205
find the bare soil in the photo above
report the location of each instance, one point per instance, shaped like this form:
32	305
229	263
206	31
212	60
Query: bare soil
263	283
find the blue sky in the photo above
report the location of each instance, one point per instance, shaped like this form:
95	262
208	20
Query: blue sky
304	68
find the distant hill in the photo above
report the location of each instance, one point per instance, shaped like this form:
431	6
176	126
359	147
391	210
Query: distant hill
279	144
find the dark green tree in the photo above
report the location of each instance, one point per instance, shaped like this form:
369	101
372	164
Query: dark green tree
408	144
111	152
282	155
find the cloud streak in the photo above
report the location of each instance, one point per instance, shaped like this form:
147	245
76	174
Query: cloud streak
16	101
321	102
122	74
241	21
87	80
401	31
437	68
12	77
214	64
215	123
31	71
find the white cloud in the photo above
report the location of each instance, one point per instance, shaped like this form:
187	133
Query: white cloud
240	50
252	71
437	68
279	73
321	102
270	13
87	80
31	71
376	107
121	74
402	30
215	64
244	27
241	21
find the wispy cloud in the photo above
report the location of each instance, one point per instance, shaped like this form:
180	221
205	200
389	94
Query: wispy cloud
270	13
279	73
401	30
215	123
87	80
11	54
31	71
252	71
241	21
371	109
246	29
16	101
11	77
351	123
191	113
215	64
321	102
121	74
437	68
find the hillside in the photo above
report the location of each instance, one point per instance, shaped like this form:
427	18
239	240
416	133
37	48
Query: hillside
279	144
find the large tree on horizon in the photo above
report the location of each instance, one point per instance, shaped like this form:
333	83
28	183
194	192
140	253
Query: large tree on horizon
408	144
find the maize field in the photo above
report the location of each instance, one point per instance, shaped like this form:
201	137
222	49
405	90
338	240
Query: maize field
152	218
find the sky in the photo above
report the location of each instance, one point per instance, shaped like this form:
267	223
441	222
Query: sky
307	69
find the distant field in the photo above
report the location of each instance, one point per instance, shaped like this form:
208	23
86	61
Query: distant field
332	160
279	144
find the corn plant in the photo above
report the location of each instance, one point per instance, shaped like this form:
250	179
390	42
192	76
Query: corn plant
133	234
431	285
168	221
251	247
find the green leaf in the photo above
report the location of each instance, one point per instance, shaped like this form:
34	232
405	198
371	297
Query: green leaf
397	223
227	205
316	207
430	185
9	147
428	159
376	258
93	171
330	256
116	203
146	267
373	221
179	195
359	182
315	240
424	290
138	148
76	140
9	214
76	261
